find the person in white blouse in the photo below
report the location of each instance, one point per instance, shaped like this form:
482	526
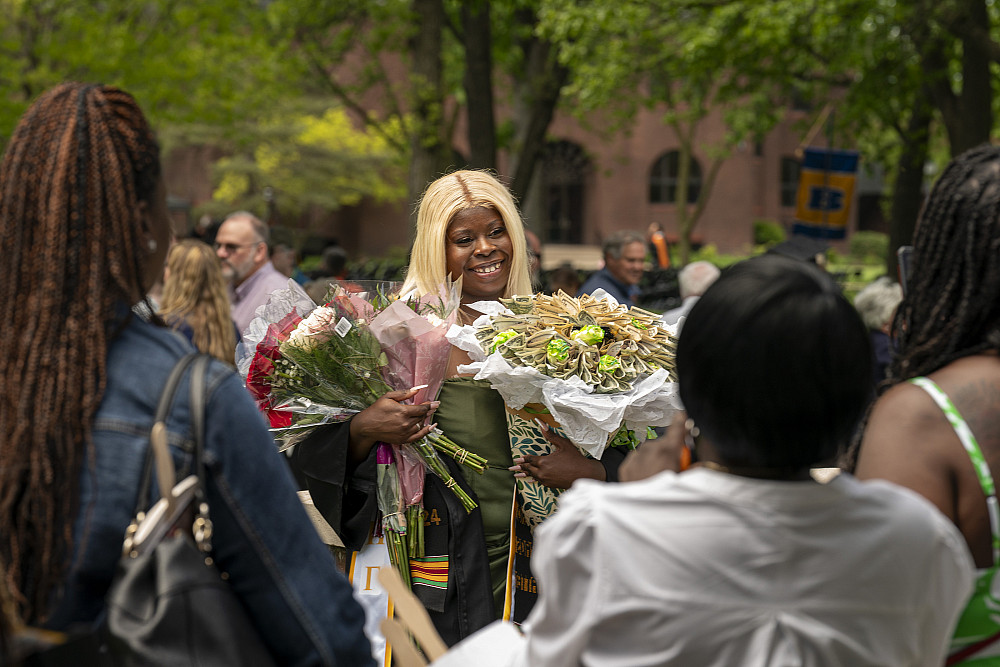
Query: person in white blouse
744	559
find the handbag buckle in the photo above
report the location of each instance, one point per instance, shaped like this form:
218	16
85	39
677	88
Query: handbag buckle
129	542
202	531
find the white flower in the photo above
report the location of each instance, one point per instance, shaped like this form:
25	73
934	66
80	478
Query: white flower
315	329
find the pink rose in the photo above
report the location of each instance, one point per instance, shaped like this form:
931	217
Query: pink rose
315	329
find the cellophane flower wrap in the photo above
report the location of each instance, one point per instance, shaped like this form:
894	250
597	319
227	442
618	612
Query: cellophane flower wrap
388	492
309	365
301	371
412	332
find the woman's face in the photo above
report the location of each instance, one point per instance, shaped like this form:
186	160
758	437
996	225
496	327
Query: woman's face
478	248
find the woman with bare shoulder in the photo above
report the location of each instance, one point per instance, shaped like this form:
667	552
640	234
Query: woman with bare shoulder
937	429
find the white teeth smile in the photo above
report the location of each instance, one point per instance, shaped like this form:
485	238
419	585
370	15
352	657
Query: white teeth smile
492	268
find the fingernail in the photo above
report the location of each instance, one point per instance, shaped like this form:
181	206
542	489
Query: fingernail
519	460
519	475
434	425
542	425
514	468
435	405
418	387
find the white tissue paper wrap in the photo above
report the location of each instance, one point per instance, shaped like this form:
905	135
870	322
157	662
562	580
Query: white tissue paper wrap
588	419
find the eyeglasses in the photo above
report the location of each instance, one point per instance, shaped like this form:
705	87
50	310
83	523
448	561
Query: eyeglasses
230	248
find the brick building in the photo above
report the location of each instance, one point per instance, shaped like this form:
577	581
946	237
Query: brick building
591	184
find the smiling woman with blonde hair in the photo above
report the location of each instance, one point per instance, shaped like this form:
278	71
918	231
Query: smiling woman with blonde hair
444	199
195	302
468	229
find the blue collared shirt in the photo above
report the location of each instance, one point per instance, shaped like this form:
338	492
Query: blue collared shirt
625	294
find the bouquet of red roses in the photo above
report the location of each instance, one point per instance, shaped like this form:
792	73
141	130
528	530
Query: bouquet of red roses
308	365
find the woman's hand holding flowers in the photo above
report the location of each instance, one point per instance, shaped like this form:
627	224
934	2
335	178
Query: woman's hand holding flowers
560	468
389	420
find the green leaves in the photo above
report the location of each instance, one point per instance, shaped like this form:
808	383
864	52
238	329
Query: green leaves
184	60
316	159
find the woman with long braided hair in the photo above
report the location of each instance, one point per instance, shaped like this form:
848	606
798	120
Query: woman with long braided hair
83	234
75	242
936	430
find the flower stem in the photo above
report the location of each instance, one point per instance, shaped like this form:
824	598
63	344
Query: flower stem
446	445
398	556
429	455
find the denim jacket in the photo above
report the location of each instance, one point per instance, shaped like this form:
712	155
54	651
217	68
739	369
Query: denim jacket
286	577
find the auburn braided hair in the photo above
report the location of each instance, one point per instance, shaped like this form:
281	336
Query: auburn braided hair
951	308
71	179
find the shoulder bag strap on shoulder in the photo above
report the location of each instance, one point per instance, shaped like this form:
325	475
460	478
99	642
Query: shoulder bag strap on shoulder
162	408
197	402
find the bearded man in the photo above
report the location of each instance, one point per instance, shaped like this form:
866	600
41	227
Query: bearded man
241	245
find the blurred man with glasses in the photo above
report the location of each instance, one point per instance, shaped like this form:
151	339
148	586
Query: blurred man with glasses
624	263
242	247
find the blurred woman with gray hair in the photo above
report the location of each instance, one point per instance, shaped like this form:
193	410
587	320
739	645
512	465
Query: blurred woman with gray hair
876	304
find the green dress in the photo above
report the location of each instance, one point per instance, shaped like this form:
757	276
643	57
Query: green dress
473	415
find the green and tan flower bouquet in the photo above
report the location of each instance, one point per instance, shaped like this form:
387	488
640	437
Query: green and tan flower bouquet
602	374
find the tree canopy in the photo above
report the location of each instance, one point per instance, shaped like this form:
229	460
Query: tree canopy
908	81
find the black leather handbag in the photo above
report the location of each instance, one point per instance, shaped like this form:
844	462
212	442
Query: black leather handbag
168	604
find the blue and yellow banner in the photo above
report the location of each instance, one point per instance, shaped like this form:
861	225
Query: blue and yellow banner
826	186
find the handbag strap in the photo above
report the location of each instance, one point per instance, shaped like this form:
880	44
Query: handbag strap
158	453
202	526
159	422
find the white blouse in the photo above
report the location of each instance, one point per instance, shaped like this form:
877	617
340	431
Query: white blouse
703	568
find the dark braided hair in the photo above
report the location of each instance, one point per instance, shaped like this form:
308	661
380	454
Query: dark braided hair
80	161
952	305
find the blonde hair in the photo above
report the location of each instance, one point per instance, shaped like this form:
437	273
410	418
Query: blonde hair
195	293
444	198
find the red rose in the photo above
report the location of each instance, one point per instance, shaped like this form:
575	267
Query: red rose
288	324
259	376
276	334
278	418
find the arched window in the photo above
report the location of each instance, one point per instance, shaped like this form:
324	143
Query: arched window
565	166
663	179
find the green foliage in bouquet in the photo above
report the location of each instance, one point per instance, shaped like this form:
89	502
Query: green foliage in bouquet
342	369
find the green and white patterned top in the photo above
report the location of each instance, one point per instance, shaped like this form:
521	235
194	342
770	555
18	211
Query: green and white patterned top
980	622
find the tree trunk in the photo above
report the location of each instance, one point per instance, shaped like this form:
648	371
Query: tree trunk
429	149
478	84
975	102
907	191
536	97
937	77
967	115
